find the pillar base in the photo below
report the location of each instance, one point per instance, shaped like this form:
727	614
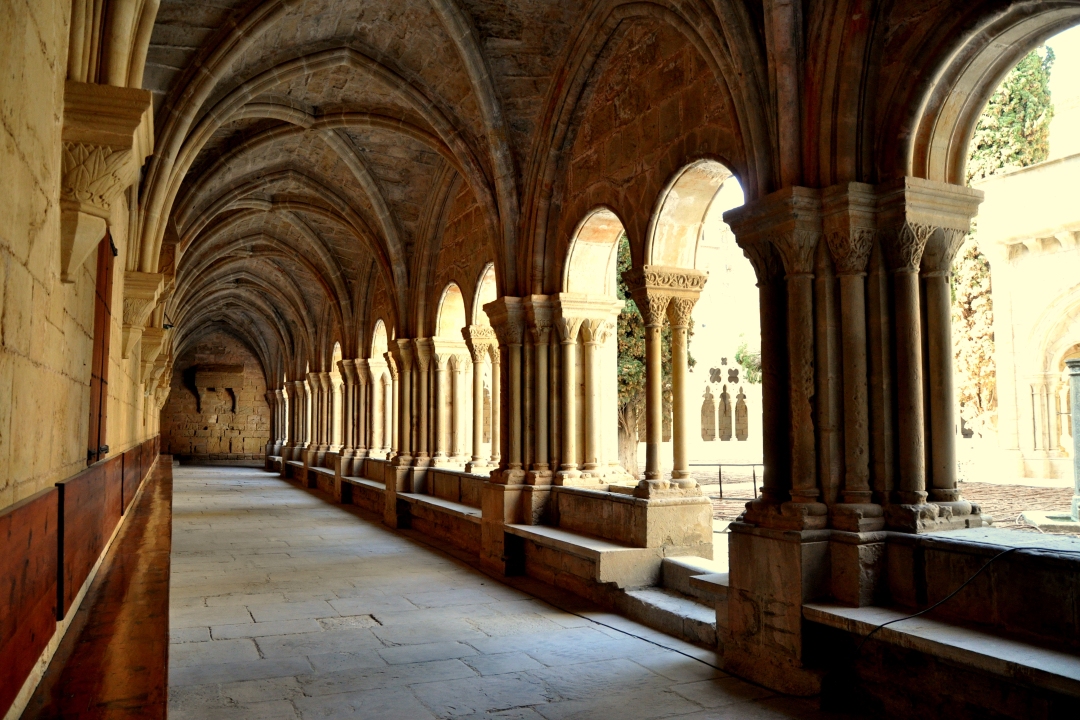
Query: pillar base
933	517
401	460
858	517
479	468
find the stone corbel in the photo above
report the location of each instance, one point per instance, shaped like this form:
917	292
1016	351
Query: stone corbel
108	133
141	292
153	338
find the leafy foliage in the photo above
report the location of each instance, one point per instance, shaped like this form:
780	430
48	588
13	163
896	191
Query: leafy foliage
751	363
1014	129
1012	132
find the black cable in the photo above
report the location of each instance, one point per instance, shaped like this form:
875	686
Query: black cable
953	594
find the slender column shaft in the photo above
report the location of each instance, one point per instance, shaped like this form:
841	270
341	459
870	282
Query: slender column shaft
569	465
478	409
459	406
496	406
528	381
593	399
392	413
942	413
1074	410
514	421
856	401
654	390
911	483
679	425
405	420
800	289
542	461
442	408
422	404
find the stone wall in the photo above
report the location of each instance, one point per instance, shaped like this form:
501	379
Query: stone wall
212	432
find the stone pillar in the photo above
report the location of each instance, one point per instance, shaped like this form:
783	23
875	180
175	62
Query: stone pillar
595	332
539	319
393	407
496	406
850	229
326	412
568	328
653	309
349	378
424	349
404	358
936	268
442	408
362	419
479	339
458	408
1074	410
679	310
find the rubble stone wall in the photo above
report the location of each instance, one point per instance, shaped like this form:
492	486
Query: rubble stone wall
212	432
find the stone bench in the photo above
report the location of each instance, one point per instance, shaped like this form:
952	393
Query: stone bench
997	670
453	522
365	493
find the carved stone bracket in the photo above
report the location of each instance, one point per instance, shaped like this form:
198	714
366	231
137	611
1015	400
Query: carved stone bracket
479	339
508	318
849	225
141	292
153	340
108	133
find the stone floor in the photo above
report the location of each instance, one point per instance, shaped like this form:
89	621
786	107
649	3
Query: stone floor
286	606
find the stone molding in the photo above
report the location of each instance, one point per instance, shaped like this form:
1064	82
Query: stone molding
570	311
480	339
141	293
107	135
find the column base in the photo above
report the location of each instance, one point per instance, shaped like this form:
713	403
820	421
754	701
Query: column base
857	517
479	468
539	477
933	517
787	515
401	460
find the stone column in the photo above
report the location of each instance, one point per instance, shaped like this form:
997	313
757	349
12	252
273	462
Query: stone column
496	405
679	310
424	351
404	358
595	332
507	317
328	410
349	378
568	328
653	308
479	339
442	408
539	316
1074	410
936	269
362	423
850	230
392	400
458	408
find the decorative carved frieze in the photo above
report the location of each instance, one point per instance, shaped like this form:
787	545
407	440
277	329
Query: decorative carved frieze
108	133
141	292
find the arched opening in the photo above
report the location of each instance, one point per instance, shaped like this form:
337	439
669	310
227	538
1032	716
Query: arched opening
486	291
1013	281
453	378
589	307
711	366
485	404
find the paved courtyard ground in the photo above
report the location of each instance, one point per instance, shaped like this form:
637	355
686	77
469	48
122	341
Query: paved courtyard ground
286	606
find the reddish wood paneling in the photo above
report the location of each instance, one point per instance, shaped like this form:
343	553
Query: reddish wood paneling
82	507
114	495
132	476
27	588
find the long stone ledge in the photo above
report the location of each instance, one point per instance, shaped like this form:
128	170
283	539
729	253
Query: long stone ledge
1009	658
459	510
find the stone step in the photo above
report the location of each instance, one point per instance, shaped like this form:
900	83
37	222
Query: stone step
676	573
672	612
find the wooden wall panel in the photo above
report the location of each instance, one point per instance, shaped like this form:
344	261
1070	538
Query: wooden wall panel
28	535
114	494
82	507
132	476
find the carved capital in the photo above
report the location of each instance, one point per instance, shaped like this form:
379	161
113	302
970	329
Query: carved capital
479	339
508	318
904	245
850	225
423	348
789	220
941	250
141	291
666	280
596	332
909	213
567	328
679	310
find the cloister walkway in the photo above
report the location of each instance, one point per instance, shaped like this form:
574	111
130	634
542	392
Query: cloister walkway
284	606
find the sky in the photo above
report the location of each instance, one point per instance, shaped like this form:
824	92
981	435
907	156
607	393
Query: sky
1065	93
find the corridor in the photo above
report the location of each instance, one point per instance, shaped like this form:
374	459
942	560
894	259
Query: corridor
285	606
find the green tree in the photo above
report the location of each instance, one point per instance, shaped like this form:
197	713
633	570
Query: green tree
1013	132
630	334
